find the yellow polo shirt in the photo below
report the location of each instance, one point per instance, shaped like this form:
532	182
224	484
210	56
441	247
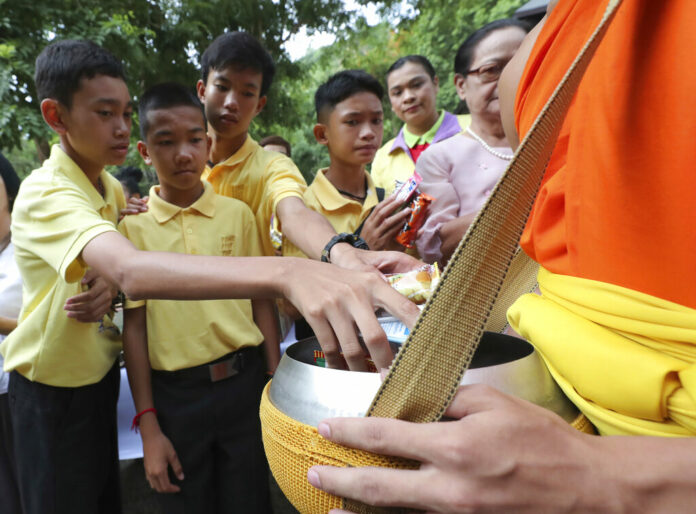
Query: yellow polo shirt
260	179
344	214
182	334
56	213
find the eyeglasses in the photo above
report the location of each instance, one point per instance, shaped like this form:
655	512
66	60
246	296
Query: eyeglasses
488	72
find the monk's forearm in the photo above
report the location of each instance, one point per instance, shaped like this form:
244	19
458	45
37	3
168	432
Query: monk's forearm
652	474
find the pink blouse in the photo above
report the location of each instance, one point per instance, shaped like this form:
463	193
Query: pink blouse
460	174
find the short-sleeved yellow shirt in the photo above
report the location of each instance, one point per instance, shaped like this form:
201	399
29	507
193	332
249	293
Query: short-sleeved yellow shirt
182	334
56	213
345	215
260	179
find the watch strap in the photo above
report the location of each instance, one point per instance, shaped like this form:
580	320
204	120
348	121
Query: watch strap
344	237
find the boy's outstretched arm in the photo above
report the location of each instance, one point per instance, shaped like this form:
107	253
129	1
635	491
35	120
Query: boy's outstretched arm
158	450
334	301
267	321
310	231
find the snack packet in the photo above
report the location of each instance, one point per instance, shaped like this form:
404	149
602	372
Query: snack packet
405	190
417	285
276	236
409	232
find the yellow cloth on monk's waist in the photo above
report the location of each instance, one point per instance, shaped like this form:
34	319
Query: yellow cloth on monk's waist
626	359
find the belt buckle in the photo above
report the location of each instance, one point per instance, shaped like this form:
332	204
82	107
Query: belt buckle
223	370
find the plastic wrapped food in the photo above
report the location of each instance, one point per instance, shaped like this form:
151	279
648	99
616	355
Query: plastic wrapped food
405	190
409	232
276	236
417	285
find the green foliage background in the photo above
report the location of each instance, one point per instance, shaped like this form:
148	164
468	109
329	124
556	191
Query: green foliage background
162	39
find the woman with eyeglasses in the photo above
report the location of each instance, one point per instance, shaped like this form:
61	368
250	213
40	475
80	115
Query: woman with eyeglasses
461	171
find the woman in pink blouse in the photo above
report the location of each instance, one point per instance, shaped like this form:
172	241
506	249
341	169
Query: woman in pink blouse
461	171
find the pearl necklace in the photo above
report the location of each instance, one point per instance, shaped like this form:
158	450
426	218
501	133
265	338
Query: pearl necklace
499	155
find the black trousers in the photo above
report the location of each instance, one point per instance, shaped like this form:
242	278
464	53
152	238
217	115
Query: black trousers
9	492
66	446
216	432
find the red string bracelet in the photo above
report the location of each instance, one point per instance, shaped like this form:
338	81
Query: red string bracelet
136	419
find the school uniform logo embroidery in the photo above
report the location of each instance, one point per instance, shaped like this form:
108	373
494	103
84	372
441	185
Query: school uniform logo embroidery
226	244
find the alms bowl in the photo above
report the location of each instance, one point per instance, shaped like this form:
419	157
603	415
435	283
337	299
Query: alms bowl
309	393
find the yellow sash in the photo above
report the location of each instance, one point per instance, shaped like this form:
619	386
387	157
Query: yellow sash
626	359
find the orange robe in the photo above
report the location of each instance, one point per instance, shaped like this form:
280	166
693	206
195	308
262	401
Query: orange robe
618	201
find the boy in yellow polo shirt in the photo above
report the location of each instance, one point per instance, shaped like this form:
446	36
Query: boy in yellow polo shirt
63	374
349	124
207	370
236	74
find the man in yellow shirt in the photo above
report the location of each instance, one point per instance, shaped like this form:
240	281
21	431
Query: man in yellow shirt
197	363
64	379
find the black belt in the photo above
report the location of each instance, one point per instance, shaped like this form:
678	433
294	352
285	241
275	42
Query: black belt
219	369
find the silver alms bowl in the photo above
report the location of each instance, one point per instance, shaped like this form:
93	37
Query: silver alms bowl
309	393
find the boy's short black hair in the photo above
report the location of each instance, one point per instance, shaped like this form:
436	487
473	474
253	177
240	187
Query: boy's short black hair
276	140
131	177
342	85
239	50
10	179
415	59
62	65
130	173
164	96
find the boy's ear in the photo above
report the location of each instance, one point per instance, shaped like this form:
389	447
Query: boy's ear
261	104
144	153
208	144
436	81
460	86
200	90
320	131
53	112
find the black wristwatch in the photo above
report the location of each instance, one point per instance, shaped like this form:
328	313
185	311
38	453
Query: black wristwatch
343	237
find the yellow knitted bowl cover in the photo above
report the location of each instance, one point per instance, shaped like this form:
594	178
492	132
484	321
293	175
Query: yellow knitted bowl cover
293	447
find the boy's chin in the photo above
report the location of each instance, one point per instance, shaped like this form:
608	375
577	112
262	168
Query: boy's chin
364	160
118	161
226	131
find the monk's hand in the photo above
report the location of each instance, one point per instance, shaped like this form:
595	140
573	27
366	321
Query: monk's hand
134	206
339	304
92	305
501	455
383	224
